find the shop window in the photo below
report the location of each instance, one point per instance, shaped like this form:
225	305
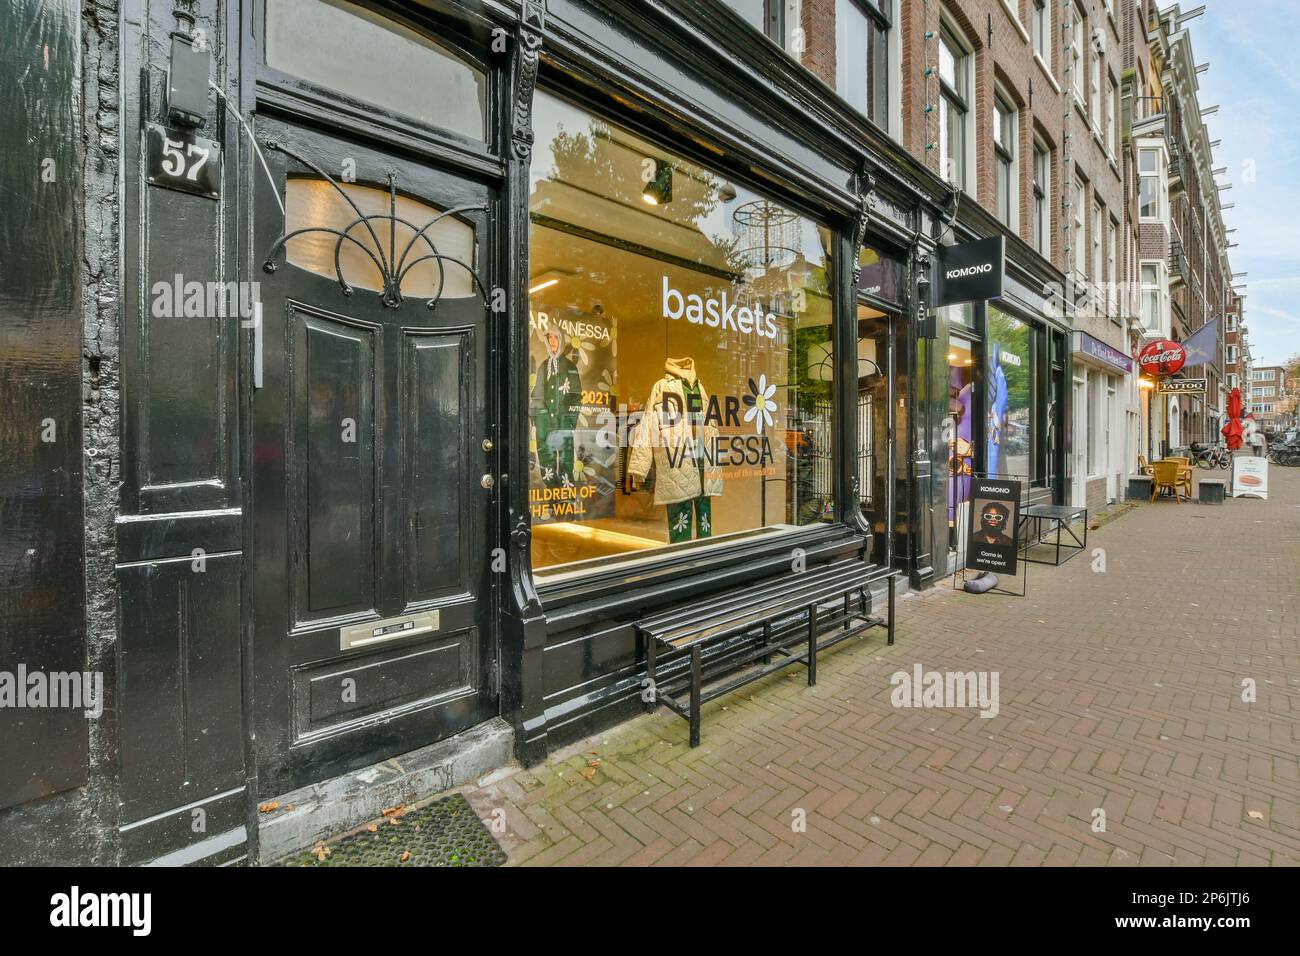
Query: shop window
320	206
362	54
954	109
680	360
862	57
960	429
1009	409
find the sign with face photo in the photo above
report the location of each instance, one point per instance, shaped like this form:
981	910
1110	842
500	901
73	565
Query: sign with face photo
993	544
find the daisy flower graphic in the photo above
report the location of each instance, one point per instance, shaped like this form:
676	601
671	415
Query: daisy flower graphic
760	403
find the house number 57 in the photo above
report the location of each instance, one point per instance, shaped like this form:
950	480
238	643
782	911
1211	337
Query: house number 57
174	160
180	160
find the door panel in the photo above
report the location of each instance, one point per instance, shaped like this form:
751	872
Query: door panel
374	629
333	516
440	385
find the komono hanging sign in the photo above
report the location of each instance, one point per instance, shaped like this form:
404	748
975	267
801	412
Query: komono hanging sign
1162	357
970	271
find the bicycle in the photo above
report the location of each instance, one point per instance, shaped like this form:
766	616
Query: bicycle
1211	456
1284	455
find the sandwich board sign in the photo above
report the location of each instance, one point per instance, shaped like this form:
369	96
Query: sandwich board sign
993	544
1249	476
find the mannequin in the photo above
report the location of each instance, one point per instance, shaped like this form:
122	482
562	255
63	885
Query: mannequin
673	438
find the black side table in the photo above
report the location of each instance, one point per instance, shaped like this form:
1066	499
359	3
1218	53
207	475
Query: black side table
1062	517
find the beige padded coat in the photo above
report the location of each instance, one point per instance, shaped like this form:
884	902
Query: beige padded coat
667	437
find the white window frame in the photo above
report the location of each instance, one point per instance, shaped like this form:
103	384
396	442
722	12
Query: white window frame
1042	199
1008	153
1157	177
1112	264
1080	238
1159	289
965	63
1078	56
1041	31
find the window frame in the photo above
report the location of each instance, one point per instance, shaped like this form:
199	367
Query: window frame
953	97
1006	131
1042	191
1041	32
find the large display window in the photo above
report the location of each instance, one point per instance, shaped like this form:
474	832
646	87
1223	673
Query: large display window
680	360
1010	408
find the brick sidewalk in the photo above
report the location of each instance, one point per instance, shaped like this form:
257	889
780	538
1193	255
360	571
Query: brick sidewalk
1120	690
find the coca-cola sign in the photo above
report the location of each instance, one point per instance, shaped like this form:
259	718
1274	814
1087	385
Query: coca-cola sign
1161	357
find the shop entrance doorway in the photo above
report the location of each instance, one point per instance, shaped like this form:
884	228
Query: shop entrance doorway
875	413
372	462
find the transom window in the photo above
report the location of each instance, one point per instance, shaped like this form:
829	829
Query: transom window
347	48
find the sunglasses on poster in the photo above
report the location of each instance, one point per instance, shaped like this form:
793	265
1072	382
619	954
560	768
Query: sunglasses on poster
991	516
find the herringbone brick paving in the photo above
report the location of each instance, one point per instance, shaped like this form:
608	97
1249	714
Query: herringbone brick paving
1121	690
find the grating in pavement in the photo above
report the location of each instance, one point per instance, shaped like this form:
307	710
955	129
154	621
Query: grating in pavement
446	832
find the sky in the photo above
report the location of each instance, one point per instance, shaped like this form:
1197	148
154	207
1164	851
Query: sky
1251	48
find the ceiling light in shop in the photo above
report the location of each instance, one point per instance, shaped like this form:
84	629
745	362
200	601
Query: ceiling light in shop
543	285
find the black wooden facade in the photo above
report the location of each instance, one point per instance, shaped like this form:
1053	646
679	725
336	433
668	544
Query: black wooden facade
163	540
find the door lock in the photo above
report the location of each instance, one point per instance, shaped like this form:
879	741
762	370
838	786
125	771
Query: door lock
487	444
487	481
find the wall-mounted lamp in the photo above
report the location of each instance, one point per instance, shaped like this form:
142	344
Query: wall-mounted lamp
659	190
187	75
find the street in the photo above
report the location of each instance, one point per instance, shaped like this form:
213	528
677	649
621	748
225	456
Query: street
1147	717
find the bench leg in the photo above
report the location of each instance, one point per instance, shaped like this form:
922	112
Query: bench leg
767	639
812	645
695	696
650	672
890	626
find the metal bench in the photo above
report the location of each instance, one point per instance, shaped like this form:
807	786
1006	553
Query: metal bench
791	618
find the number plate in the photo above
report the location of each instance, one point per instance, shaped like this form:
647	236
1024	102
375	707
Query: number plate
177	159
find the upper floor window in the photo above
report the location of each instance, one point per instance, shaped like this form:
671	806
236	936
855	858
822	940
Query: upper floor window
1042	204
318	40
1004	154
1098	217
954	109
1149	183
1077	55
1112	114
1041	30
862	56
1150	296
1094	91
1079	241
1112	275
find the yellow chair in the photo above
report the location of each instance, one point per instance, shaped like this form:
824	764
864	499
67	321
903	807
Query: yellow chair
1184	472
1144	466
1167	475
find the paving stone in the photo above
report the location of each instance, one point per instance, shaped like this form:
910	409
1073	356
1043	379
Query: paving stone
1119	690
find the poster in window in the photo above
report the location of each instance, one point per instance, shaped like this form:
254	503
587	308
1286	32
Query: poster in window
571	404
993	542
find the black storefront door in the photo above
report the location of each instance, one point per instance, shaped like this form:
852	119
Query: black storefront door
373	625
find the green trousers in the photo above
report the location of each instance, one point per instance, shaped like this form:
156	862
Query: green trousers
679	519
